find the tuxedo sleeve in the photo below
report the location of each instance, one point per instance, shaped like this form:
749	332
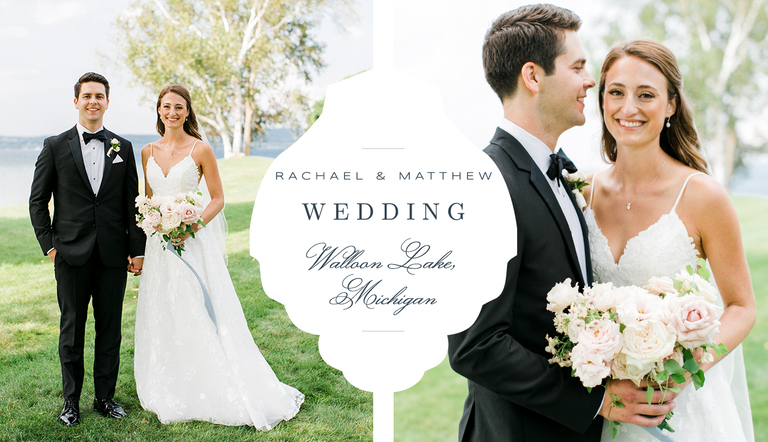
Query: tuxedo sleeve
136	238
488	354
40	196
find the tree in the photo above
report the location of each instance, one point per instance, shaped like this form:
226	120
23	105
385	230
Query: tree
245	62
723	52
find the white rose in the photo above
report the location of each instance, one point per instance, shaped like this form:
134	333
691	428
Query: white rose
705	289
588	366
639	307
561	296
169	222
644	347
661	286
602	337
702	287
602	296
575	176
694	320
619	370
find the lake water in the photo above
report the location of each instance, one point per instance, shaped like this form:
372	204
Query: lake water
19	154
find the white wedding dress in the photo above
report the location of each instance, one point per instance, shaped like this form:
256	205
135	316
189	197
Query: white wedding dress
718	411
190	364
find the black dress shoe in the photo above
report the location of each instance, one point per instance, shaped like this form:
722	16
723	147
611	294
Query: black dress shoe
70	415
109	408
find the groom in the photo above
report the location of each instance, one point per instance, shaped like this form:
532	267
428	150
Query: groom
535	63
91	174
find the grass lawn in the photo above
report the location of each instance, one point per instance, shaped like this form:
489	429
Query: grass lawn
430	411
30	376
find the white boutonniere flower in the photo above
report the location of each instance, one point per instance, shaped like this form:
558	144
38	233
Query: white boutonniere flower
114	146
577	181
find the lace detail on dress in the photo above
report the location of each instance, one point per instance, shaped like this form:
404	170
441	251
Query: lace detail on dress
655	251
184	369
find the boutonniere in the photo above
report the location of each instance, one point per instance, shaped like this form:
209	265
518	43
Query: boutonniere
577	181
114	146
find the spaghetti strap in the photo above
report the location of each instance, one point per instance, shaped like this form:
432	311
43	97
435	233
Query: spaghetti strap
681	190
151	150
193	149
592	189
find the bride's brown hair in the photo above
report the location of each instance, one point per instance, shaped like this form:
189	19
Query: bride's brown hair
679	141
190	125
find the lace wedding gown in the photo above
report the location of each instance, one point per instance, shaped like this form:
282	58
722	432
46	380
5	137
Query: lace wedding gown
718	411
189	364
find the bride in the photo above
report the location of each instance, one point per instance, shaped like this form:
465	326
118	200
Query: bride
195	358
654	211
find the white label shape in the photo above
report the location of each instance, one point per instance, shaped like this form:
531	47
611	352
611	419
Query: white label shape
383	229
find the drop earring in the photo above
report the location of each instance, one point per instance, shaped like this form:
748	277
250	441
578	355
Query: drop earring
668	125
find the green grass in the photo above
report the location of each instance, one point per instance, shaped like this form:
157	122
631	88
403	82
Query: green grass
430	411
30	379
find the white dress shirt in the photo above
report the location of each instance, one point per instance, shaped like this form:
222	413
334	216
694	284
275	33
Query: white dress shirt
93	158
540	153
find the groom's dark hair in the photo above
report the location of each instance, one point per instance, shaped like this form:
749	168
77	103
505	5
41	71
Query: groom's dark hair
91	77
532	33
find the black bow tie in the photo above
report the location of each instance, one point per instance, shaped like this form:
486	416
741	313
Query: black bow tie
559	162
100	135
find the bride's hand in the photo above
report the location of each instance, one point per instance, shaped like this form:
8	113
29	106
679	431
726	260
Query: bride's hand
177	240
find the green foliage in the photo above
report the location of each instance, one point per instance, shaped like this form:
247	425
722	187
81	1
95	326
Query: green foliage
317	110
243	61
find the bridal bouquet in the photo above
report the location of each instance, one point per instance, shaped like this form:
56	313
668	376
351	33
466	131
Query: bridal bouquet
173	217
651	333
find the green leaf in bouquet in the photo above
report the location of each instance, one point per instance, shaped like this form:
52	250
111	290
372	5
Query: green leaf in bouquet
648	394
701	262
676	389
704	273
690	269
621	328
720	349
677	284
673	367
664	425
698	379
691	366
678	378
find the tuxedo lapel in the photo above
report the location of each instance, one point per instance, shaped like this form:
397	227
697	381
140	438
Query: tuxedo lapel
77	154
540	183
584	232
107	160
524	162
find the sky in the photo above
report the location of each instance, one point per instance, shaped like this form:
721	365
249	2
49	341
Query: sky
46	45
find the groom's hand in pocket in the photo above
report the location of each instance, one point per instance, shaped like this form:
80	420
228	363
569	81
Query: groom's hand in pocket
636	409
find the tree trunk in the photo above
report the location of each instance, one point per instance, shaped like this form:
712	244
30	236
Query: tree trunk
718	148
237	115
248	126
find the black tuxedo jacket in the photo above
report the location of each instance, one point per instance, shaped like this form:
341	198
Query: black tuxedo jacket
81	219
515	394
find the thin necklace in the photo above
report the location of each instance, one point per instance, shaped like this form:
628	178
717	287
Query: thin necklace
175	148
621	188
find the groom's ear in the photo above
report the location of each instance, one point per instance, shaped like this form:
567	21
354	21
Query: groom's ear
530	75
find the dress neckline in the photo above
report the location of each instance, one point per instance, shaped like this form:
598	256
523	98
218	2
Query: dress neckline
165	175
672	214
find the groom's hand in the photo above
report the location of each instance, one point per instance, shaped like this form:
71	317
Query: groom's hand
636	409
135	265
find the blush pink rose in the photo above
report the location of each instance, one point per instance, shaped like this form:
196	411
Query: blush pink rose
661	285
151	221
588	366
602	337
639	307
694	320
189	213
